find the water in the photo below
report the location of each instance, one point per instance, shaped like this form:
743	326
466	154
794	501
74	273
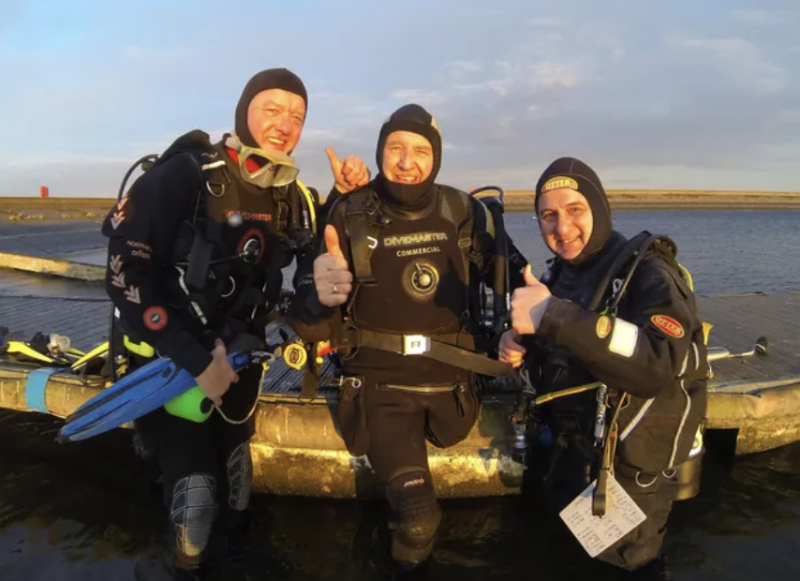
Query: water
91	511
728	252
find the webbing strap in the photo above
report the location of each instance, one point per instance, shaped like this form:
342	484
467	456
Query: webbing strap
609	450
311	377
309	198
199	260
35	387
360	250
566	392
437	350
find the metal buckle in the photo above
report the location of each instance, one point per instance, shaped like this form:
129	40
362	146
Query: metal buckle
416	344
262	357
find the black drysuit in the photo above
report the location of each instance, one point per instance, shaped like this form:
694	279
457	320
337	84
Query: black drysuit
652	349
404	400
150	235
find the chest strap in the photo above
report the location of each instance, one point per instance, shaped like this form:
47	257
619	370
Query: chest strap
437	347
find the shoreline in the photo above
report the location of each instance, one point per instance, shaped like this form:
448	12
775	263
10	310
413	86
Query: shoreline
26	209
522	200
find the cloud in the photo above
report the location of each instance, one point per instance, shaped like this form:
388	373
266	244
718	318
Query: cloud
463	67
740	58
550	75
512	88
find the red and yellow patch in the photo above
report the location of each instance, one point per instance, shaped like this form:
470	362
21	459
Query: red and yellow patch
603	327
559	182
155	318
668	325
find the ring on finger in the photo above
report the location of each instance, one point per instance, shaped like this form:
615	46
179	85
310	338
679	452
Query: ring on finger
335	289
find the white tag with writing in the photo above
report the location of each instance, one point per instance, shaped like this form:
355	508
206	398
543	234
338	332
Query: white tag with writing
596	533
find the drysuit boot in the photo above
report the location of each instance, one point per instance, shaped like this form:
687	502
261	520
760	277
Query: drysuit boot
416	517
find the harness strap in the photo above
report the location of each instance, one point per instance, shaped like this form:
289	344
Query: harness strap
309	203
607	467
566	392
431	347
199	260
360	251
311	378
203	243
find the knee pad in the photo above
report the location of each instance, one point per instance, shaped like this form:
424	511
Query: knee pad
417	515
239	468
193	510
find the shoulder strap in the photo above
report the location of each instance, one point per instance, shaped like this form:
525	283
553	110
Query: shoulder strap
361	220
310	204
639	248
456	208
206	238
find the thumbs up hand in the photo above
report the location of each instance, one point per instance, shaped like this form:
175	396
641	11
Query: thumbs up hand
349	174
332	275
528	304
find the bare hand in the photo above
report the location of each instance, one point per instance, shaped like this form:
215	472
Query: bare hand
218	376
332	275
350	173
511	351
529	304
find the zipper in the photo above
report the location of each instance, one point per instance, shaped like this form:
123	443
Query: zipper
418	388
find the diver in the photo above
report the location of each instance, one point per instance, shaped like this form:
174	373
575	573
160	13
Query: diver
195	254
619	317
398	286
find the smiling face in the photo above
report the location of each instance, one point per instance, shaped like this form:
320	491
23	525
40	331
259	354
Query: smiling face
275	119
566	222
407	158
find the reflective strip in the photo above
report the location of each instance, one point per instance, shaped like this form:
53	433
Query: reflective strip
696	356
637	418
686	411
35	387
685	365
624	338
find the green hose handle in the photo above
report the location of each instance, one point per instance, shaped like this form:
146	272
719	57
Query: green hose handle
192	405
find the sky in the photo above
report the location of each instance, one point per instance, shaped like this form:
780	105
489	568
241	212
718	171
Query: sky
652	94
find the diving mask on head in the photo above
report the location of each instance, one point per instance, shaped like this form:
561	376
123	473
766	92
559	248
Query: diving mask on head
275	169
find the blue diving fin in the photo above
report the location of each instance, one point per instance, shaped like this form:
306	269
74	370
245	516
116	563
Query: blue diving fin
134	395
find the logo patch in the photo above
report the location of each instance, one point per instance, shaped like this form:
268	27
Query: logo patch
295	356
559	182
155	318
414	239
668	325
603	327
251	216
